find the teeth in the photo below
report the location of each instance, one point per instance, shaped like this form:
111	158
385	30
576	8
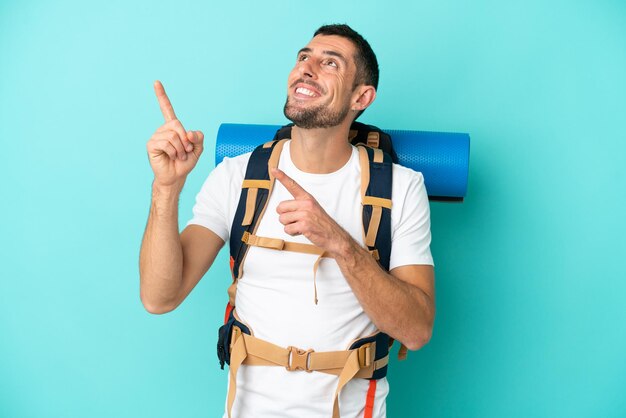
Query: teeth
303	90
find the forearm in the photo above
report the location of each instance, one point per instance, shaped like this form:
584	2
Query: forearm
161	257
396	307
396	303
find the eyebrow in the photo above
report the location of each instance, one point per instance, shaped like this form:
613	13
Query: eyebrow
326	52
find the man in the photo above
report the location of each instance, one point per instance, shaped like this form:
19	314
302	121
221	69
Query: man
316	200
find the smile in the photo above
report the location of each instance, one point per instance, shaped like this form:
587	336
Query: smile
306	92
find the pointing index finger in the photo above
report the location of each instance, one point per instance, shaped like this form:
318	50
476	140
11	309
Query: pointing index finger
164	102
290	184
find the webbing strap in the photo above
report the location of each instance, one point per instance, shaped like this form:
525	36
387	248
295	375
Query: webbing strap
370	398
349	371
347	364
377	204
364	162
273	161
372	230
238	355
377	201
378	155
281	245
259	184
263	353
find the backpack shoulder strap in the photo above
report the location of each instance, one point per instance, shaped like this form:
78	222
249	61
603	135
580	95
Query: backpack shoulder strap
376	186
255	191
376	183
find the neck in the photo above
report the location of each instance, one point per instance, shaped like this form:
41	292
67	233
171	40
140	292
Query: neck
322	150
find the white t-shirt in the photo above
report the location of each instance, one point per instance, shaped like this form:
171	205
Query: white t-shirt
275	294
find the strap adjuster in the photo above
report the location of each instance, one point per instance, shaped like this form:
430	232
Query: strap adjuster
365	355
298	359
236	333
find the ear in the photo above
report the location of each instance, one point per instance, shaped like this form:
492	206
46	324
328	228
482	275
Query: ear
362	97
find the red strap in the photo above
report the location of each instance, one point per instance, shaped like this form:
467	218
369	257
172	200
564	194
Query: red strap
229	309
369	400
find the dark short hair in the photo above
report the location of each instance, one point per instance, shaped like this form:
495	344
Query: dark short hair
365	59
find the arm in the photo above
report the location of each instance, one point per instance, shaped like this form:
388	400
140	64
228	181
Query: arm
170	265
400	303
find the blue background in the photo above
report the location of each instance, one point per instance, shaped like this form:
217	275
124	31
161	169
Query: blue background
530	275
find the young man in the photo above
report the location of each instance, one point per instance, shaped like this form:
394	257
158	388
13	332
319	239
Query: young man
316	200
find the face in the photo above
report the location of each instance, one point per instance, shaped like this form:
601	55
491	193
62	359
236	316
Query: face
320	87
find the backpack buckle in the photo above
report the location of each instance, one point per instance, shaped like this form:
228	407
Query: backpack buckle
298	359
365	355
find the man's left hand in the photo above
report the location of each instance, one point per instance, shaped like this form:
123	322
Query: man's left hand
304	216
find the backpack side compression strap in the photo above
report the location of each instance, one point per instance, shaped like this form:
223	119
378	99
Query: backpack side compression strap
255	192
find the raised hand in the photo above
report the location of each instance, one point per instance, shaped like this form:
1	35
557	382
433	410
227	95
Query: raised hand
172	151
304	216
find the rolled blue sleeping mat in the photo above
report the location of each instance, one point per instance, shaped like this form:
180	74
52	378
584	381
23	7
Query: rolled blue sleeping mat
442	157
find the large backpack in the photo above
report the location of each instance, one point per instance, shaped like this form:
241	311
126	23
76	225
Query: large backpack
258	183
376	156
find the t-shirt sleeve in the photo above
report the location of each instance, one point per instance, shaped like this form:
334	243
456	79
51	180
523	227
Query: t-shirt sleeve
410	219
217	200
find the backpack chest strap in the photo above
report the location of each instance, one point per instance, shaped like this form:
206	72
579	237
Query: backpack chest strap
298	247
281	245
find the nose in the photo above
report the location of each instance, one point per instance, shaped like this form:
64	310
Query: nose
306	70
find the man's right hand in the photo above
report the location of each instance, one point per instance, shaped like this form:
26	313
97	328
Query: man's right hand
172	151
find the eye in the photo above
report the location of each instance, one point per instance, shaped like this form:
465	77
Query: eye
303	57
332	63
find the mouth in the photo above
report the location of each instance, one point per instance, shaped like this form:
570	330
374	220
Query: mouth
306	90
